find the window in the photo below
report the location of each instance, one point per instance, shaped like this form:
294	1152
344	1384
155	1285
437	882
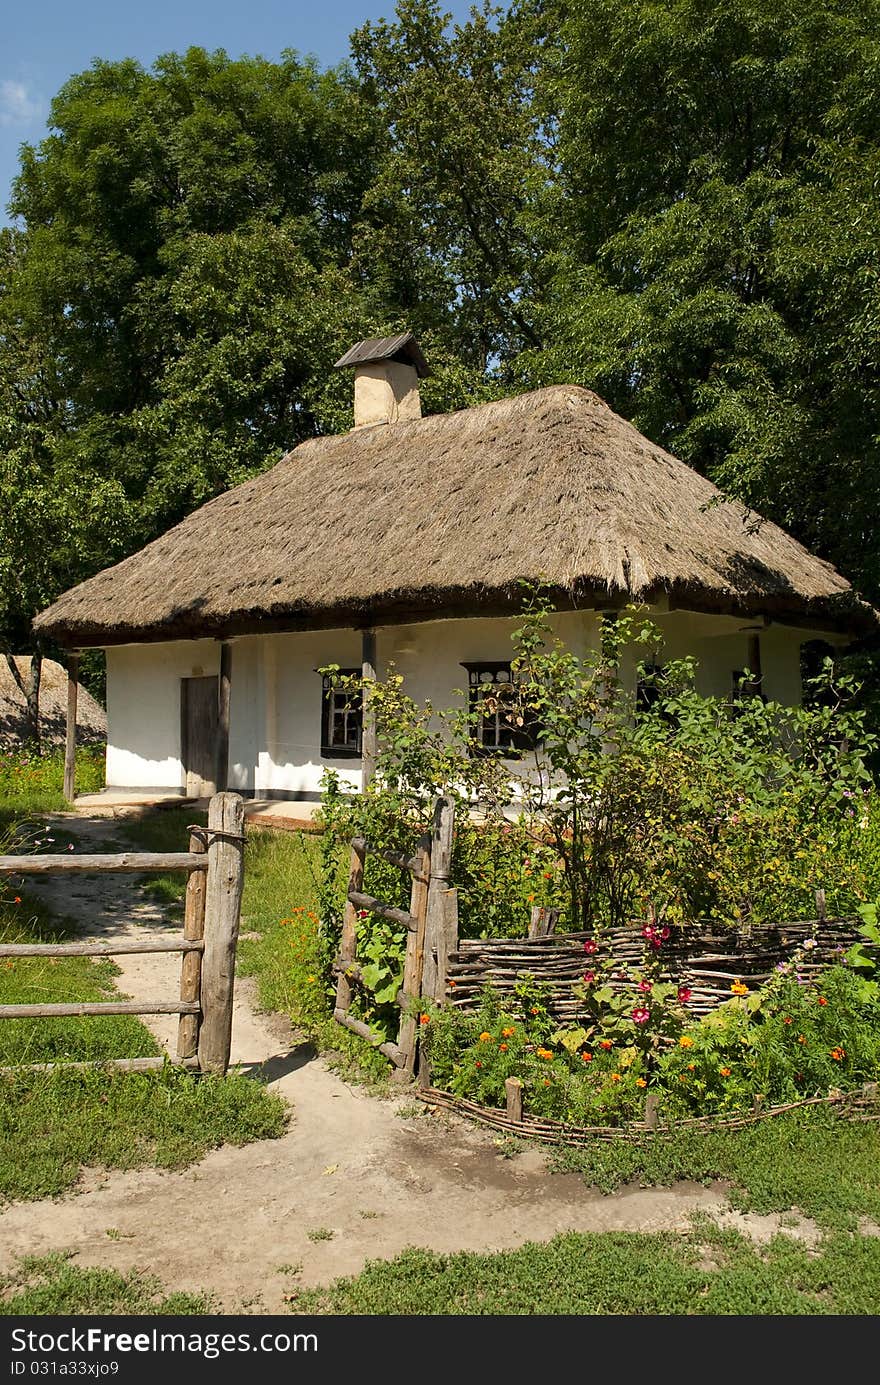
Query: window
341	717
745	685
648	686
491	690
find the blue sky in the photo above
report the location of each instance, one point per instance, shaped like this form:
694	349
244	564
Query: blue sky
46	41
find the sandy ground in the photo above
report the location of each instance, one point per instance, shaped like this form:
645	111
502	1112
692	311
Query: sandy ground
379	1174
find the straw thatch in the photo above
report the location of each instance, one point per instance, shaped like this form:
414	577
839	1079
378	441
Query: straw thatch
443	516
91	719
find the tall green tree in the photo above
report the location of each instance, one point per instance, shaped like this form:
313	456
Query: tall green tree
171	301
714	231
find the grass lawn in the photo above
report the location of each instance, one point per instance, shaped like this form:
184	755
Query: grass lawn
53	1124
708	1271
50	1284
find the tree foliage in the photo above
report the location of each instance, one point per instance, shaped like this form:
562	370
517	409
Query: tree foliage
671	201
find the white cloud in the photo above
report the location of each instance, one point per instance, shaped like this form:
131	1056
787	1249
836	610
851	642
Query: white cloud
18	104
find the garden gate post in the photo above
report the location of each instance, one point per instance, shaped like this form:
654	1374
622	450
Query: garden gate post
441	922
191	963
415	952
222	911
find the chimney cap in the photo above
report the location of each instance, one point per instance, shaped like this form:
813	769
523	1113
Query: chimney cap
403	347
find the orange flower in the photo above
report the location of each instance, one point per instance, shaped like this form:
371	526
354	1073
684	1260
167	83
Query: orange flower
615	1077
739	989
837	1054
725	1072
485	1037
534	1010
502	1048
691	1067
822	1000
606	1044
545	1053
802	1038
509	1032
17	899
452	985
547	1082
424	1019
640	1082
586	1057
685	1041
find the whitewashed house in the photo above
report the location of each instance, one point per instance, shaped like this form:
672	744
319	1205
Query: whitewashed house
406	540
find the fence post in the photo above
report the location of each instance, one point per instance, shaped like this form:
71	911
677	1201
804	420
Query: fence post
415	951
348	936
438	923
222	907
191	963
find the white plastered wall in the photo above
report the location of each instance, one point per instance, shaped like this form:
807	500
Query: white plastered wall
275	714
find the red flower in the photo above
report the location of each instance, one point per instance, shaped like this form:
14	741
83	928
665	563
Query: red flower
605	1043
590	946
640	1015
589	977
787	1019
684	995
822	1000
586	1057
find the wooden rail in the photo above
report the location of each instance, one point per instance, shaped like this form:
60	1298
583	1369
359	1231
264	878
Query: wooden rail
117	864
215	868
99	1007
96	949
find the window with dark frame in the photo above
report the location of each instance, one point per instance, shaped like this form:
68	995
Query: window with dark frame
341	717
648	686
490	690
745	686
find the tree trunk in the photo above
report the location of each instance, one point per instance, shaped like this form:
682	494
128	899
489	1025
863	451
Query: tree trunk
32	731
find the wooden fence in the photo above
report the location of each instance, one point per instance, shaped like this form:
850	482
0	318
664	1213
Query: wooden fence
214	865
706	959
432	933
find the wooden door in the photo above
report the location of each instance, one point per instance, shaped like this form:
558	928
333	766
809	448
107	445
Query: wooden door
198	739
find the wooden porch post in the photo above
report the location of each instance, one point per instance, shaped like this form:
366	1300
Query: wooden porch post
368	731
223	700
70	743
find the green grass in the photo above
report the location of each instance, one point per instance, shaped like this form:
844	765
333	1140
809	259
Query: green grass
50	1284
40	980
709	1271
54	1124
31	784
814	1160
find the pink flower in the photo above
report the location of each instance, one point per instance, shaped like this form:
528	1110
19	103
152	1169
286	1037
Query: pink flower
640	1015
590	946
684	995
645	987
647	931
589	977
664	932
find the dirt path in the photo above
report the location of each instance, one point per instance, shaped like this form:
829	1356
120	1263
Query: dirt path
369	1171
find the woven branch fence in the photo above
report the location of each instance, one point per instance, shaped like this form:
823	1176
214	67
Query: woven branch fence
705	958
861	1106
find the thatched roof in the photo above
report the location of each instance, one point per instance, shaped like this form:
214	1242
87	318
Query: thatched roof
15	672
444	515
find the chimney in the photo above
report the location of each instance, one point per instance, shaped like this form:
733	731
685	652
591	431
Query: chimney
387	371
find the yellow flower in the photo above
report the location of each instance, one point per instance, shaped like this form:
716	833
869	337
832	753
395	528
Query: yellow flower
685	1041
485	1037
739	989
544	1053
640	1082
311	978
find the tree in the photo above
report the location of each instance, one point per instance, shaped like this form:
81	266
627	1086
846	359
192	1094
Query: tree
715	233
